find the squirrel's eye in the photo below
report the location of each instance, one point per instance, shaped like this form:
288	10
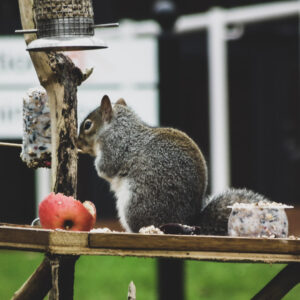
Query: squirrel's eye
87	125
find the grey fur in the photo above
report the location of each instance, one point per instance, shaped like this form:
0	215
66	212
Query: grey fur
214	216
165	169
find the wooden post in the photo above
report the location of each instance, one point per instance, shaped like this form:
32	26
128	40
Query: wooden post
63	107
62	94
60	77
63	268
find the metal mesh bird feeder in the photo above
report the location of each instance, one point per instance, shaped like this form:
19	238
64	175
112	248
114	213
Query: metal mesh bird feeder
64	25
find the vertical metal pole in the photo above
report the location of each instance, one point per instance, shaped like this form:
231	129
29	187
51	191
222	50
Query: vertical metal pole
169	271
42	186
170	279
218	102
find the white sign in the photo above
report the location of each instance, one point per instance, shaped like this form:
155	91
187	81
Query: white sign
15	64
127	69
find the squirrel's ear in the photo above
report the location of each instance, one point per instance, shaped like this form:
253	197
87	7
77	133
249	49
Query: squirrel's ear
106	109
121	101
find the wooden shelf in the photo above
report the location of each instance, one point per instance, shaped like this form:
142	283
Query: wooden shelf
213	248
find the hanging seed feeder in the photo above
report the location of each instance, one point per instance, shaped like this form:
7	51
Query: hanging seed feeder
65	25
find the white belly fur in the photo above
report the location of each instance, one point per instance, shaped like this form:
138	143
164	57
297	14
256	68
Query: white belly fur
121	188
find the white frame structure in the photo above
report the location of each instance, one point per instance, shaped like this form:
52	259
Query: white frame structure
216	21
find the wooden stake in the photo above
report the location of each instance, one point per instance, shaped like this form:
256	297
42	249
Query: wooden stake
281	284
15	145
62	94
131	291
60	77
38	284
63	268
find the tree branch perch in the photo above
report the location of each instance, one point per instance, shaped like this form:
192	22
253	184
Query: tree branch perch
60	77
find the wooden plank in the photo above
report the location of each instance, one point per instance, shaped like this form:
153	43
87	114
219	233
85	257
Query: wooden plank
42	240
80	249
194	243
68	239
24	237
67	242
191	255
127	244
40	236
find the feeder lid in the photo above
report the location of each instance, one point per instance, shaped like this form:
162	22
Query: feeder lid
66	44
65	25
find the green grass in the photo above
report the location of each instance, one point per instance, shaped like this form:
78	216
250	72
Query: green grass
215	281
108	277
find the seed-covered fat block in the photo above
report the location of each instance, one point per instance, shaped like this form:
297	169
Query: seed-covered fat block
262	219
36	148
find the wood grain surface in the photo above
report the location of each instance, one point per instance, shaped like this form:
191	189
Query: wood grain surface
212	248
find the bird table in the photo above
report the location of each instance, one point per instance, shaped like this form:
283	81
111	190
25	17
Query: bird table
60	77
70	245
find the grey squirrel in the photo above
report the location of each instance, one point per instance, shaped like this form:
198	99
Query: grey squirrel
158	175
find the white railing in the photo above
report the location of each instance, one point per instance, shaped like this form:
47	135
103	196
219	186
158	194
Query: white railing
216	21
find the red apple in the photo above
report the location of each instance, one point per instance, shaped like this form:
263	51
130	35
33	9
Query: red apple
63	212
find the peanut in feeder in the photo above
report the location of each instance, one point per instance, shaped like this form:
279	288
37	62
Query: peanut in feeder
65	25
